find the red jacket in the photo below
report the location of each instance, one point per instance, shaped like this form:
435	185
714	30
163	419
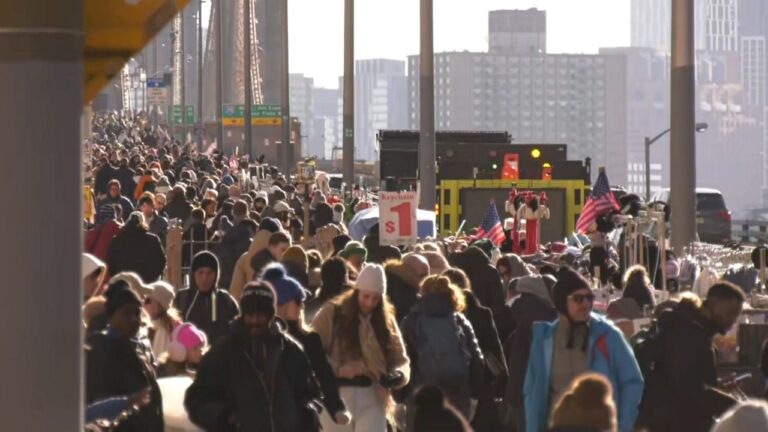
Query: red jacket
98	238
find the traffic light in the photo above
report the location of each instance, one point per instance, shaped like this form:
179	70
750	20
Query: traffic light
546	171
511	170
535	153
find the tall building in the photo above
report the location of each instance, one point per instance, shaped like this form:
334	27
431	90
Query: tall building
380	102
302	106
325	129
716	24
517	31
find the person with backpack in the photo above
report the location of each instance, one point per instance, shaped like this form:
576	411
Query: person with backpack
442	345
363	343
578	341
680	365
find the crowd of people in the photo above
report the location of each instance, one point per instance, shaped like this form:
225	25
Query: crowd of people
278	331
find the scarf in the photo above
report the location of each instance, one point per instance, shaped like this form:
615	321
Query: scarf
373	356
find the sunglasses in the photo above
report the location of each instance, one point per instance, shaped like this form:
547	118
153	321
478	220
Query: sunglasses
580	298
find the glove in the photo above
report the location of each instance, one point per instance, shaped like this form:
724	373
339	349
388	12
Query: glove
392	379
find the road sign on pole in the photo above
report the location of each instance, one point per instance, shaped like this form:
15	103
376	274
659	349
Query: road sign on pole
157	92
261	115
190	114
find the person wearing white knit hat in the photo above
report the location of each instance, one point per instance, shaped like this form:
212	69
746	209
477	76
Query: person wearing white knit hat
158	303
365	349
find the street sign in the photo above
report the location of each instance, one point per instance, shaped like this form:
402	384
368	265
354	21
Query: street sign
190	114
261	115
397	218
157	92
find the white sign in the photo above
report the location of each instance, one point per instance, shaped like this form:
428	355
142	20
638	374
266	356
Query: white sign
397	218
157	92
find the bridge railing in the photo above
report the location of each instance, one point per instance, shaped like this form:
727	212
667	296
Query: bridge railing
749	232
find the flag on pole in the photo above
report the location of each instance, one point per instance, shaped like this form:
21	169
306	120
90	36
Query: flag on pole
599	202
491	227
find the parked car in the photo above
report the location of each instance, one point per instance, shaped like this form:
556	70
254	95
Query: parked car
713	219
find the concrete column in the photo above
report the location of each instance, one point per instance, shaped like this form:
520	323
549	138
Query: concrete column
683	124
248	82
41	83
219	47
348	116
427	134
286	162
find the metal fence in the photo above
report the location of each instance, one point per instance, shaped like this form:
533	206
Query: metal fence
179	251
749	232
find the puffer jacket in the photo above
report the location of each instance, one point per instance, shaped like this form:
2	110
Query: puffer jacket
279	397
402	288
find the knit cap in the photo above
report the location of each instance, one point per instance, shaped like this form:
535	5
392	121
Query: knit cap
372	279
287	288
185	338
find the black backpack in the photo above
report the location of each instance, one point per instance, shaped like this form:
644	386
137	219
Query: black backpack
648	347
443	354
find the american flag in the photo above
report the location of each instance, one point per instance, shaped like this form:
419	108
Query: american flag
599	202
491	226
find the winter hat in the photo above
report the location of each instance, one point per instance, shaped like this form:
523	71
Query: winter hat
372	279
134	282
205	259
437	263
118	295
162	293
281	206
484	245
297	256
185	338
751	415
258	297
535	285
261	195
228	180
278	194
287	288
90	264
353	248
340	242
270	224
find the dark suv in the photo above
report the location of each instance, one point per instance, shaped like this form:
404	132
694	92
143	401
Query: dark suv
713	220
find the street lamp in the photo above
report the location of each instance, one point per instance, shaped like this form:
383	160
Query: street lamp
700	127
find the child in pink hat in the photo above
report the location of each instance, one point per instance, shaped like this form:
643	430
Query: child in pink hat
188	344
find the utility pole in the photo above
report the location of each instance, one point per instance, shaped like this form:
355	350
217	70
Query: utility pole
41	80
427	132
348	116
219	74
182	74
683	120
200	50
248	90
285	160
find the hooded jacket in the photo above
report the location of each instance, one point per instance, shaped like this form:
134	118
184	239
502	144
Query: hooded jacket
276	398
607	354
179	208
243	272
234	244
137	250
680	393
486	282
211	312
402	288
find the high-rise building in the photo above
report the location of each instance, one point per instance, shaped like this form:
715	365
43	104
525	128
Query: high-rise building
325	130
380	102
517	31
454	90
302	106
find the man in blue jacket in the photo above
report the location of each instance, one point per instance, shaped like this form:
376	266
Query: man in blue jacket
578	341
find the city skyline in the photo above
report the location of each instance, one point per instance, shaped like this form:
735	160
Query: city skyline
573	28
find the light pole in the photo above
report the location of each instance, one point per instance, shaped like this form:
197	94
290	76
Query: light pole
348	110
219	73
427	130
248	90
200	76
285	96
700	127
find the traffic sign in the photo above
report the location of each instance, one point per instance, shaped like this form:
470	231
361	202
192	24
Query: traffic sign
397	218
157	92
261	115
190	114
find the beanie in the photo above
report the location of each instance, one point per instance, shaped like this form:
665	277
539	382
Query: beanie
118	295
353	248
162	293
258	297
270	224
205	259
372	279
568	282
484	245
437	262
287	288
297	256
185	338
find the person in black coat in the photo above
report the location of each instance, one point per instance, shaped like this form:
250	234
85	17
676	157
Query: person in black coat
203	303
256	377
403	280
485	280
681	390
235	242
115	196
117	364
136	249
106	173
126	177
515	323
178	207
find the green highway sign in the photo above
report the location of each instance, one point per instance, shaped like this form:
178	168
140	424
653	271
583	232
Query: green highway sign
261	115
190	114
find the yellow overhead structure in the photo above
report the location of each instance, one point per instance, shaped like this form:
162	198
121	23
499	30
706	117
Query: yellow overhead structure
115	30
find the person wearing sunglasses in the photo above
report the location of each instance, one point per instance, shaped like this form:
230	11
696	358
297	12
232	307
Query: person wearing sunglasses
579	341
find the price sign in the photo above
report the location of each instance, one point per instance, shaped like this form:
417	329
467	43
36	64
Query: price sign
397	218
